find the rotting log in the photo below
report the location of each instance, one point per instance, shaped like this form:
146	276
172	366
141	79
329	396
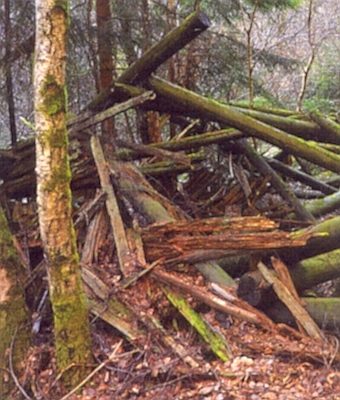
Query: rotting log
165	168
214	238
188	143
87	119
154	325
324	311
125	258
330	129
315	270
295	307
190	103
305	129
306	274
326	205
144	150
236	307
187	31
104	304
325	237
155	208
216	341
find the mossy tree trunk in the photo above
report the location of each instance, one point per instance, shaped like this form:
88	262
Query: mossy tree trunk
71	324
14	328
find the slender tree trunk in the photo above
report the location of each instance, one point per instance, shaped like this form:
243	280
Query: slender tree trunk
71	325
8	74
313	50
174	60
14	329
250	58
105	52
148	121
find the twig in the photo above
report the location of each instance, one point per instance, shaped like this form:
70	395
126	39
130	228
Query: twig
129	281
102	365
110	112
11	369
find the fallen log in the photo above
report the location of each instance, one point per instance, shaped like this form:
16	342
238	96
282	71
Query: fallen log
325	238
184	101
209	239
305	275
324	311
330	129
217	342
278	184
300	176
307	130
125	258
295	307
155	208
326	205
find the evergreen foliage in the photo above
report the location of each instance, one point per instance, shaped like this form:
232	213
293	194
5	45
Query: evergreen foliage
215	64
267	5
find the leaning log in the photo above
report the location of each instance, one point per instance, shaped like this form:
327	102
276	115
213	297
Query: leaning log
305	129
155	208
185	101
301	176
265	170
140	70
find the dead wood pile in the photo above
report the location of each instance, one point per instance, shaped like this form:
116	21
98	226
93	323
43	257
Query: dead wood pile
216	206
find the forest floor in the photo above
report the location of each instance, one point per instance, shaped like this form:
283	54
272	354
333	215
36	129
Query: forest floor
267	362
280	365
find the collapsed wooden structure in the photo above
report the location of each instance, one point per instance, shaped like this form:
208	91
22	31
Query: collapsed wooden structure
160	236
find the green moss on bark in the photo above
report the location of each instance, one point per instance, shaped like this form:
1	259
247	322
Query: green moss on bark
13	313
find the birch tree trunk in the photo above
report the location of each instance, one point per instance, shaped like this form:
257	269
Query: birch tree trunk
71	325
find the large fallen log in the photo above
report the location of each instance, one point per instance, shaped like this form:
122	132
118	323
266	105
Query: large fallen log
301	176
324	311
155	208
308	130
326	237
184	101
330	129
305	275
326	205
213	238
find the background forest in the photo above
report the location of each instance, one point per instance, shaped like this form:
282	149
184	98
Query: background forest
281	53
